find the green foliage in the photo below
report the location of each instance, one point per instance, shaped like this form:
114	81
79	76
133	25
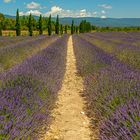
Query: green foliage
30	25
1	17
40	25
57	25
18	29
29	111
24	22
93	27
61	29
0	29
1	20
76	29
49	26
72	27
66	29
8	24
129	56
85	27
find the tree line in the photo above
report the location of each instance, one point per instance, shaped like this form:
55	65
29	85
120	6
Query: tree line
41	24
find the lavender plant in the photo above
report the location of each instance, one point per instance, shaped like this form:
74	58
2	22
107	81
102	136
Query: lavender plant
15	54
110	87
28	92
124	52
12	41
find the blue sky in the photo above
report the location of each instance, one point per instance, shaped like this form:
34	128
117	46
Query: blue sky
74	8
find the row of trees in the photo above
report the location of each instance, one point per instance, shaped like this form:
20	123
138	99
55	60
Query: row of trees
59	28
41	24
30	23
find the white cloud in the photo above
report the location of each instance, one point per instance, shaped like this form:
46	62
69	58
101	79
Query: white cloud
56	10
33	5
103	17
103	12
106	6
83	13
83	10
7	1
33	12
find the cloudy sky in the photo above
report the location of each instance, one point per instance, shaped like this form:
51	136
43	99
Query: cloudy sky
74	8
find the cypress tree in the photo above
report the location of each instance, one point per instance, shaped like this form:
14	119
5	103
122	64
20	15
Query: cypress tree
49	26
77	29
57	25
61	29
30	25
18	29
80	28
0	29
66	28
72	27
40	25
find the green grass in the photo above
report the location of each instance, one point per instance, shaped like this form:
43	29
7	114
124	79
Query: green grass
131	57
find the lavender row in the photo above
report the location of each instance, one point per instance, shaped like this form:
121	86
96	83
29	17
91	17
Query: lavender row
126	53
124	37
120	42
11	41
111	89
28	92
16	53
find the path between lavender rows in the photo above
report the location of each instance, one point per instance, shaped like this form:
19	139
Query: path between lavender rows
70	121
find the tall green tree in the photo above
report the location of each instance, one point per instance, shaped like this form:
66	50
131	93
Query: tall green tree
0	29
88	27
66	29
72	27
85	26
30	25
82	27
77	29
61	29
49	26
40	25
1	20
57	25
18	28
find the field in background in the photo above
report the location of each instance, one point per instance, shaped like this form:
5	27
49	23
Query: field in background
12	33
23	33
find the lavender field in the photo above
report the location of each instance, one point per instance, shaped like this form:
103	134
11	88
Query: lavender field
110	66
32	73
28	90
14	51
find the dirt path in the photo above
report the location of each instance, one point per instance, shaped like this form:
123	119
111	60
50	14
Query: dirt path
70	121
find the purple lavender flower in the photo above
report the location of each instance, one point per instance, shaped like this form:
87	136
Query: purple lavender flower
112	90
28	91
